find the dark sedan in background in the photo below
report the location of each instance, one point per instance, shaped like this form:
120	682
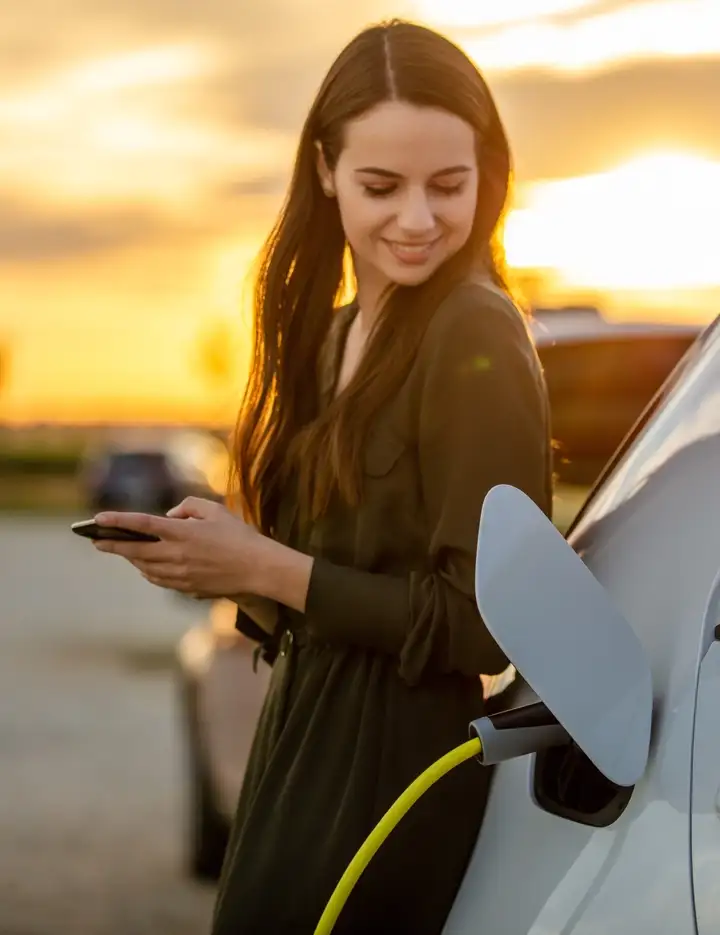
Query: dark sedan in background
600	374
153	474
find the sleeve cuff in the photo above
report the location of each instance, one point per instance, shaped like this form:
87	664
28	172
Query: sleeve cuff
246	625
358	607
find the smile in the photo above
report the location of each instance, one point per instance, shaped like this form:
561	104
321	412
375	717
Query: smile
411	253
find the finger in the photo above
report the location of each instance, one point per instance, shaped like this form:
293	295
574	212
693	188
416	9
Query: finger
134	551
166	559
141	522
193	508
165	571
169	583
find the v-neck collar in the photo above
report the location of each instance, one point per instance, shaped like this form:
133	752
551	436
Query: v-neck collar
333	351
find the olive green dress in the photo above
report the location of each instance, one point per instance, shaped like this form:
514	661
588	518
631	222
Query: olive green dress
379	677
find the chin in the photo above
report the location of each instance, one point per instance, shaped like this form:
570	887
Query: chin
412	276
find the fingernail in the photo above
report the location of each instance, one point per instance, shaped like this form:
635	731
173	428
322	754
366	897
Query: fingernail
101	518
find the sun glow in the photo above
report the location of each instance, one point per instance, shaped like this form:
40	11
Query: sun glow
111	128
523	35
652	223
472	14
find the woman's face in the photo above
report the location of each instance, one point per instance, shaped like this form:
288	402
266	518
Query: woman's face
406	184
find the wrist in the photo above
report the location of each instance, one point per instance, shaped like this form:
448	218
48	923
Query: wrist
280	573
261	571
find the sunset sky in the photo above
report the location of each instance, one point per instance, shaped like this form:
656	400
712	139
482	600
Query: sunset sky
145	145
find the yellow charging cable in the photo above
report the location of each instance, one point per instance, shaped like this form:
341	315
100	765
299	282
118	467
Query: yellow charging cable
386	824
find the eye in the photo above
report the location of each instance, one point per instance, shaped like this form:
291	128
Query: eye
379	191
449	189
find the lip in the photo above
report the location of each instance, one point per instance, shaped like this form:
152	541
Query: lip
411	254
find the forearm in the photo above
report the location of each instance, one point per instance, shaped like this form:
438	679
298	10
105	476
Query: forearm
343	604
281	574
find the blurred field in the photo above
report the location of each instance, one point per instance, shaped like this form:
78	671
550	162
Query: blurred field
47	496
40	480
62	496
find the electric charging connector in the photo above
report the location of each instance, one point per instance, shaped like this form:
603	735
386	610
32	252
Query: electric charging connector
517	732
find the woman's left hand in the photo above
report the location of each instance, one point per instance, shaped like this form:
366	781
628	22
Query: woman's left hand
205	550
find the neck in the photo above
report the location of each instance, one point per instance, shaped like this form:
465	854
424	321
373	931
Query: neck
371	287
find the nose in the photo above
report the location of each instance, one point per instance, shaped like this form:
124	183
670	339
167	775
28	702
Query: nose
415	217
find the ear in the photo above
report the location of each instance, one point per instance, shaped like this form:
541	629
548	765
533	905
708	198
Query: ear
327	182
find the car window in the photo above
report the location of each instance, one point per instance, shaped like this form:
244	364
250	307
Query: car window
685	410
598	388
138	464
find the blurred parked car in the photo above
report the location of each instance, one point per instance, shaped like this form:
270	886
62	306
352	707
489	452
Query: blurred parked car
221	691
601	376
152	477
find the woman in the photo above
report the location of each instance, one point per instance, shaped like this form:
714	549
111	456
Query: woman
367	440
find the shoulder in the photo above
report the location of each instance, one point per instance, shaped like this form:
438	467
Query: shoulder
477	314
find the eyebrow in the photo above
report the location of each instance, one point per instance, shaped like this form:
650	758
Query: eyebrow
387	174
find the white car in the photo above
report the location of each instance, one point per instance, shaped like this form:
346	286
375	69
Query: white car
621	534
563	848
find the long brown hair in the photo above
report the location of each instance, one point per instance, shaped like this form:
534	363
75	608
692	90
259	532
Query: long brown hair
302	274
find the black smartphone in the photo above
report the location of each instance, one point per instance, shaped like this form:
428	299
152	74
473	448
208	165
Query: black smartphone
90	530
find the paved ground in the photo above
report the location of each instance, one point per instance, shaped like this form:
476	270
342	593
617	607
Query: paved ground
91	793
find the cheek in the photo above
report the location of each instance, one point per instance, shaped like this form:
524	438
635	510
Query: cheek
457	216
361	218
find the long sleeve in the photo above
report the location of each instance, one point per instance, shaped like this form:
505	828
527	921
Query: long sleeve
267	644
482	421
